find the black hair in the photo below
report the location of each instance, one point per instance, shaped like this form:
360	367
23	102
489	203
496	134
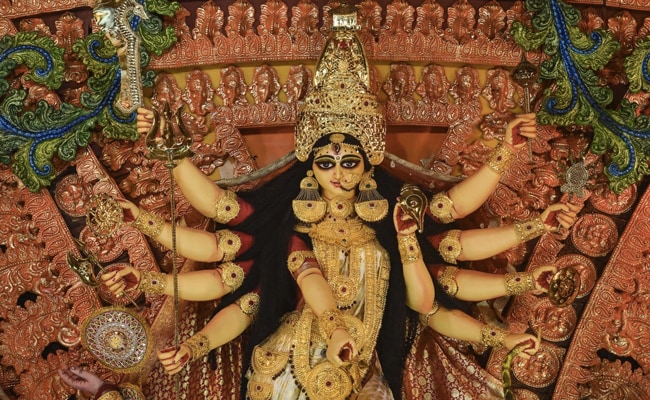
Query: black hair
272	224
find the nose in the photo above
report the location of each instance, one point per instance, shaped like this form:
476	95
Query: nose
337	172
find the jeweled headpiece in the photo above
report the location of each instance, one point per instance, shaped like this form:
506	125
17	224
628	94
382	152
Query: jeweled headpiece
341	100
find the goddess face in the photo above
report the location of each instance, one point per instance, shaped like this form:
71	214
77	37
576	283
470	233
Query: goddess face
338	168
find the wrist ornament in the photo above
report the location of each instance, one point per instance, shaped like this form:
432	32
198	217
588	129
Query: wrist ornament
152	282
441	206
529	228
450	246
148	223
330	320
492	336
226	207
519	282
500	159
426	318
199	345
409	248
448	281
229	243
108	391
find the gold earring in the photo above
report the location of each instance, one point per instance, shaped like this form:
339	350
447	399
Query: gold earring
308	206
370	205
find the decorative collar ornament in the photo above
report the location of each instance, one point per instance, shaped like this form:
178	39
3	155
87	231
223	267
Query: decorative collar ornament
341	100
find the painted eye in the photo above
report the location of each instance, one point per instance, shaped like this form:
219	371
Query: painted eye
349	164
324	165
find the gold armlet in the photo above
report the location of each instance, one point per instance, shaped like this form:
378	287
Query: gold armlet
500	159
229	243
232	275
249	304
441	207
148	223
330	320
152	282
199	345
448	281
296	262
226	208
529	228
450	246
409	248
492	336
426	318
112	395
519	282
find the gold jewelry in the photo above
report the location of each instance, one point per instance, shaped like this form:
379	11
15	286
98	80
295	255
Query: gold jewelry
448	281
414	203
441	206
500	159
426	318
229	243
339	207
297	262
309	206
409	248
199	345
336	139
326	381
519	282
492	336
259	390
232	275
112	395
249	304
268	362
226	208
529	228
330	320
148	223
341	100
370	205
104	215
152	282
450	246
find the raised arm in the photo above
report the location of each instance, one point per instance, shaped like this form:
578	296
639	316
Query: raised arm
467	196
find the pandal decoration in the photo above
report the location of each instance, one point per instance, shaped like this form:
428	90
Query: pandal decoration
104	215
118	337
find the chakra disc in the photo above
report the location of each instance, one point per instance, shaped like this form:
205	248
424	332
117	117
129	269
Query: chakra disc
118	338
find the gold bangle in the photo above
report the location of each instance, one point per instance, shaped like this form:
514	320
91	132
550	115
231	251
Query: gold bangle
450	246
148	223
232	275
152	282
229	243
441	206
112	395
409	248
529	228
519	282
330	320
500	159
249	304
199	345
426	318
227	207
448	281
492	336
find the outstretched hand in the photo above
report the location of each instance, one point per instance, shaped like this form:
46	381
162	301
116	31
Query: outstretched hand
531	344
542	277
404	223
80	379
341	347
560	215
144	120
174	360
520	129
121	279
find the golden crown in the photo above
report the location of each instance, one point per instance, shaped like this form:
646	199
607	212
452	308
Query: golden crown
341	100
